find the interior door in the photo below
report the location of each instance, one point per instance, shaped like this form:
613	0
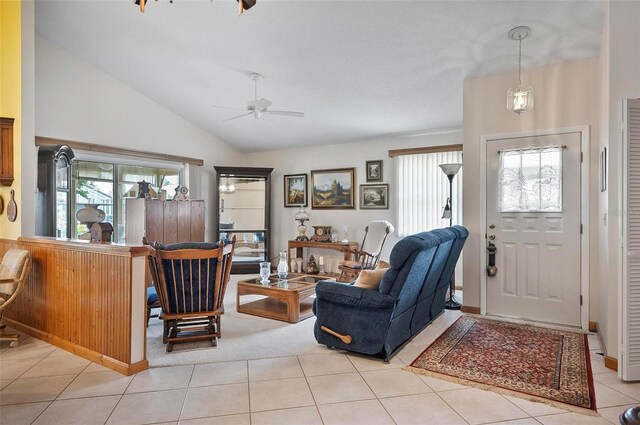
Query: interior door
533	218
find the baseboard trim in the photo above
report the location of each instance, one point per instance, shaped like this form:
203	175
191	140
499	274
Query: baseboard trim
611	363
469	309
94	356
593	326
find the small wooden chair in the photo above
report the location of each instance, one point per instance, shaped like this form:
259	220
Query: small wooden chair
14	269
366	258
190	280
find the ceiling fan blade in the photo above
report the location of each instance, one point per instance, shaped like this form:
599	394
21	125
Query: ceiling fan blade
228	107
238	116
263	104
284	113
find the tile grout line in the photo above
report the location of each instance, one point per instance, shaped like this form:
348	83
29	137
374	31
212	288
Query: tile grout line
120	399
186	392
315	403
63	390
373	392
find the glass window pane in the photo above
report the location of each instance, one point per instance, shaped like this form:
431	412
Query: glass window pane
531	180
93	186
62	199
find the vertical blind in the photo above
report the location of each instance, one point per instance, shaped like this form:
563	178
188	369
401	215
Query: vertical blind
422	190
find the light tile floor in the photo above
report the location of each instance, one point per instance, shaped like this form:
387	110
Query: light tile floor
41	384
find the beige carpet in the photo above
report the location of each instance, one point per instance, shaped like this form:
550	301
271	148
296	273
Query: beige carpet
244	337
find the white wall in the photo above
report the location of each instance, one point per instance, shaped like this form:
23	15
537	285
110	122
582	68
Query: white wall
76	101
28	151
566	95
305	159
620	80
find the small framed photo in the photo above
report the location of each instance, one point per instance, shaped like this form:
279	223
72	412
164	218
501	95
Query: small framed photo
295	190
374	171
374	196
333	189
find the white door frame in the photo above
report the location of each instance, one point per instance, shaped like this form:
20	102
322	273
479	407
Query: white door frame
584	210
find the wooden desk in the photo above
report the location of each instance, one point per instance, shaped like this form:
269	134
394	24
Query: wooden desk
344	247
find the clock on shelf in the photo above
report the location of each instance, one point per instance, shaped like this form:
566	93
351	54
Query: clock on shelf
182	194
321	234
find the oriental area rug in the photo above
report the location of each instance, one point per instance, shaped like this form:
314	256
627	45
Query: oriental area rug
539	364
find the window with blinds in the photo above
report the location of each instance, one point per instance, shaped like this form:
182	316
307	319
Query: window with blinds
422	190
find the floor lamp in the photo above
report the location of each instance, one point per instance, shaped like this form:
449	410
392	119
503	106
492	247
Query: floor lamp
451	170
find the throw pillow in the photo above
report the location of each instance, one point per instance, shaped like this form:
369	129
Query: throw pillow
370	279
383	265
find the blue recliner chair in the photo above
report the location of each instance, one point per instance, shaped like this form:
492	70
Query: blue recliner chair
411	295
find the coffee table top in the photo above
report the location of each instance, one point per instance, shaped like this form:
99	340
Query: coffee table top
293	282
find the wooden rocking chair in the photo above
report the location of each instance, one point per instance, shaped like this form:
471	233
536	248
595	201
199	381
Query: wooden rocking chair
14	269
191	279
366	258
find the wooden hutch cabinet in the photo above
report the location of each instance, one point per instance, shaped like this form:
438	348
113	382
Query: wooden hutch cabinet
164	221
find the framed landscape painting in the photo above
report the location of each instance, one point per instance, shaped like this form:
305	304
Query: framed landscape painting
295	190
333	189
374	196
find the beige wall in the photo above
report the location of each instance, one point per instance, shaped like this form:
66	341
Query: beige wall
566	95
304	159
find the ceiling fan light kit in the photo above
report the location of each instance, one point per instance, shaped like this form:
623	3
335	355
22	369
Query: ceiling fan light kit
242	5
520	99
260	106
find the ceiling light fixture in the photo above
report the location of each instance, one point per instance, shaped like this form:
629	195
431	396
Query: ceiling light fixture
242	4
227	188
520	99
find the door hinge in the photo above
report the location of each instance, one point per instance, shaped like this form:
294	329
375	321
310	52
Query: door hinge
581	157
580	300
581	228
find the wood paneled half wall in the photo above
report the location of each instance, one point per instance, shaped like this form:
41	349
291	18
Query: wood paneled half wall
86	298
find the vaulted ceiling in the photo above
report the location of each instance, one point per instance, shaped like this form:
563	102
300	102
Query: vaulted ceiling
358	69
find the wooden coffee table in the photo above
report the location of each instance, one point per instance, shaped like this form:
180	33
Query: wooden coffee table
287	299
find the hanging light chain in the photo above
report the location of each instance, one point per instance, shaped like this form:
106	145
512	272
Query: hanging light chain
520	59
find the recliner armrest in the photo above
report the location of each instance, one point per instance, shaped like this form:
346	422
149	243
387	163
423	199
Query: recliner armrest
352	295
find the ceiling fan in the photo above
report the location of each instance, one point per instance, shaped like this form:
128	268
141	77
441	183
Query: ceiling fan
242	5
259	107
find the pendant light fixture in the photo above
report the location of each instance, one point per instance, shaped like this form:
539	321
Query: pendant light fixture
520	99
226	188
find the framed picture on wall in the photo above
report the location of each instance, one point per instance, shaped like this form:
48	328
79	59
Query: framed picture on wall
333	189
295	190
374	196
374	171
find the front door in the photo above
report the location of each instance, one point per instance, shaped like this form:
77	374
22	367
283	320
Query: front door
533	217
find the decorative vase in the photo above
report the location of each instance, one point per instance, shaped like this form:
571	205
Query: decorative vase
283	269
162	195
299	265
